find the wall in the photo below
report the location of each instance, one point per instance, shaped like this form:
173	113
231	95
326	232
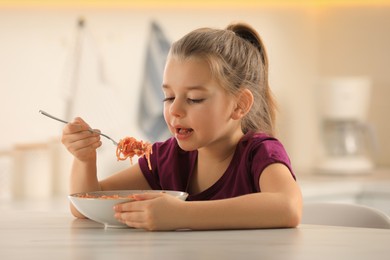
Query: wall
37	48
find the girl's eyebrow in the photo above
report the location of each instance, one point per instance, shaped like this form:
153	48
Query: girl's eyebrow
197	87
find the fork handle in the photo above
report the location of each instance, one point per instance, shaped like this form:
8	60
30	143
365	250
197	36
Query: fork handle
52	117
66	122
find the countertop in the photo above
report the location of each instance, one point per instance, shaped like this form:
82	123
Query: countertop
370	189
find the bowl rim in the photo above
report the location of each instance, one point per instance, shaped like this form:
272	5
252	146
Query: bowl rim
113	192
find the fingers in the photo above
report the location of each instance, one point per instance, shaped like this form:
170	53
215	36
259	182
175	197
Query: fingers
145	211
130	213
132	205
78	125
147	196
80	140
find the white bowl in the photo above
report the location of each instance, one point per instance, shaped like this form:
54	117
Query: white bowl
94	205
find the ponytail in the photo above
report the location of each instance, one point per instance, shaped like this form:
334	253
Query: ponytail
268	111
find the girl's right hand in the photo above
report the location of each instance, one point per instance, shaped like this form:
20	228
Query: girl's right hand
80	141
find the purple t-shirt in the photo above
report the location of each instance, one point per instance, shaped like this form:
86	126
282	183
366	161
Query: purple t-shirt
172	167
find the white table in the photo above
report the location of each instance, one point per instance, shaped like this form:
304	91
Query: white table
44	234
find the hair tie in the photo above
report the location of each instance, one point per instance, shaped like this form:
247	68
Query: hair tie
247	36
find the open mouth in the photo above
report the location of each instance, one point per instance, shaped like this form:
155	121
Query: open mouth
184	131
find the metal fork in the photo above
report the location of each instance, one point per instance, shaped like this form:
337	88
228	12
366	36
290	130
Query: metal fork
90	129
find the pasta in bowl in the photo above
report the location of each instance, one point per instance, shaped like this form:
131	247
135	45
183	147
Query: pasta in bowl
98	205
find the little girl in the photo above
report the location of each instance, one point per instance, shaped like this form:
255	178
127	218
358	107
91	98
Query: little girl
219	108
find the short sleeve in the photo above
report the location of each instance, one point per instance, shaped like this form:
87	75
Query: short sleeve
265	153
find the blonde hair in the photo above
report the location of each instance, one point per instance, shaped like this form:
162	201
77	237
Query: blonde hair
237	60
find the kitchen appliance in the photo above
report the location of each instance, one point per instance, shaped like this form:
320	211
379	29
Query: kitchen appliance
347	138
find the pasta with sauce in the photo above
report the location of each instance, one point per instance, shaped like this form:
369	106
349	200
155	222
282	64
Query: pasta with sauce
128	147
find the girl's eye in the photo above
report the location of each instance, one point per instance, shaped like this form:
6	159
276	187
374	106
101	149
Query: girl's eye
168	99
195	101
189	100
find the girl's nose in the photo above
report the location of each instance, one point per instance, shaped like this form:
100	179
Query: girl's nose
176	109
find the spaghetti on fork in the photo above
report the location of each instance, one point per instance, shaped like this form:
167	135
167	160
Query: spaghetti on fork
128	147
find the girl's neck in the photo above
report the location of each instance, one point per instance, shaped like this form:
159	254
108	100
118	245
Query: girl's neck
225	148
212	163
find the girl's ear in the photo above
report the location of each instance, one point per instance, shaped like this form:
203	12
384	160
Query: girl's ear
243	105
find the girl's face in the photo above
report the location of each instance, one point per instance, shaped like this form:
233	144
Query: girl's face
196	109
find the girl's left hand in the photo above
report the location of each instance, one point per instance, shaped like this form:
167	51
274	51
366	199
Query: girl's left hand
151	211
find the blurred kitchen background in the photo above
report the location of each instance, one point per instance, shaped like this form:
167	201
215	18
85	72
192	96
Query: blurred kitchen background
102	59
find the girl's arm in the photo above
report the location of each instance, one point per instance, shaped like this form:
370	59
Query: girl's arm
278	205
82	144
83	178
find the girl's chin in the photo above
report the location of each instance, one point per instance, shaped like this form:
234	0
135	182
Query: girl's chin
185	146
